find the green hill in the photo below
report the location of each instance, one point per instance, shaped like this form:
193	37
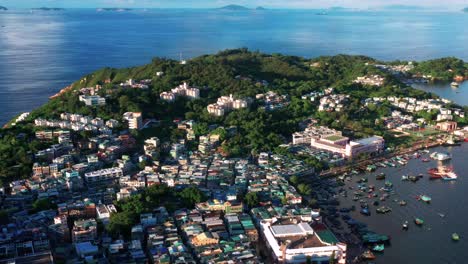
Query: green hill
239	72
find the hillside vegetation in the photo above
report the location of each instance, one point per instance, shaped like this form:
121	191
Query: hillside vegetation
239	72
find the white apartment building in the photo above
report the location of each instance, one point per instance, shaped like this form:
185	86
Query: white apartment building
103	175
134	120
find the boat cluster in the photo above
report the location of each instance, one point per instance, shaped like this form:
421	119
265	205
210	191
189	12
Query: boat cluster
368	195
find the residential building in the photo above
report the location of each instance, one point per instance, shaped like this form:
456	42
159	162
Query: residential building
134	120
92	100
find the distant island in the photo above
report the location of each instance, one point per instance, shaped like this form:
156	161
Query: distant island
404	7
234	8
48	9
465	10
2	8
240	8
115	9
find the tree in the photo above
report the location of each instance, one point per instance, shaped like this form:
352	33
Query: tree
191	196
294	180
121	224
304	189
251	199
43	204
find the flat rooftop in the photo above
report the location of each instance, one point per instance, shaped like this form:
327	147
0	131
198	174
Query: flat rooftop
334	138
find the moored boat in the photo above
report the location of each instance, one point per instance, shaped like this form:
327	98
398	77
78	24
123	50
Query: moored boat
368	255
451	176
383	210
375	238
454	84
365	211
371	168
380	176
405	225
455	237
403	203
424	198
378	248
418	221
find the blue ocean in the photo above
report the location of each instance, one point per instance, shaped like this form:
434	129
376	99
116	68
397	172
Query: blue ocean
43	51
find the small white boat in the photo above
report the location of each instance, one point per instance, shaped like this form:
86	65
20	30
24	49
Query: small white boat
454	84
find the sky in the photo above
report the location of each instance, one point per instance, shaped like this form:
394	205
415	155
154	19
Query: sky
448	4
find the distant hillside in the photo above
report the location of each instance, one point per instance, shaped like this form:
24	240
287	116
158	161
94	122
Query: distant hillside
260	8
465	10
2	8
234	8
114	9
404	7
48	9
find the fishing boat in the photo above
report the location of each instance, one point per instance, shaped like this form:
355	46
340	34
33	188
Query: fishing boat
403	203
451	176
378	248
441	215
383	210
424	198
368	255
405	225
404	177
365	211
455	237
371	168
418	221
440	156
388	184
414	178
380	176
374	238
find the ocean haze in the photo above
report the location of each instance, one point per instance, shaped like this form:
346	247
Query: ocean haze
43	51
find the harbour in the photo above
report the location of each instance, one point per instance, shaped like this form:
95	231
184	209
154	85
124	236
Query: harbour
424	215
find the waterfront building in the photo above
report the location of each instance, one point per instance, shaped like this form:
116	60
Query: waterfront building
448	126
299	243
331	140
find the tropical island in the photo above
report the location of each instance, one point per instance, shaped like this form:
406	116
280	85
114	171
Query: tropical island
2	8
180	153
